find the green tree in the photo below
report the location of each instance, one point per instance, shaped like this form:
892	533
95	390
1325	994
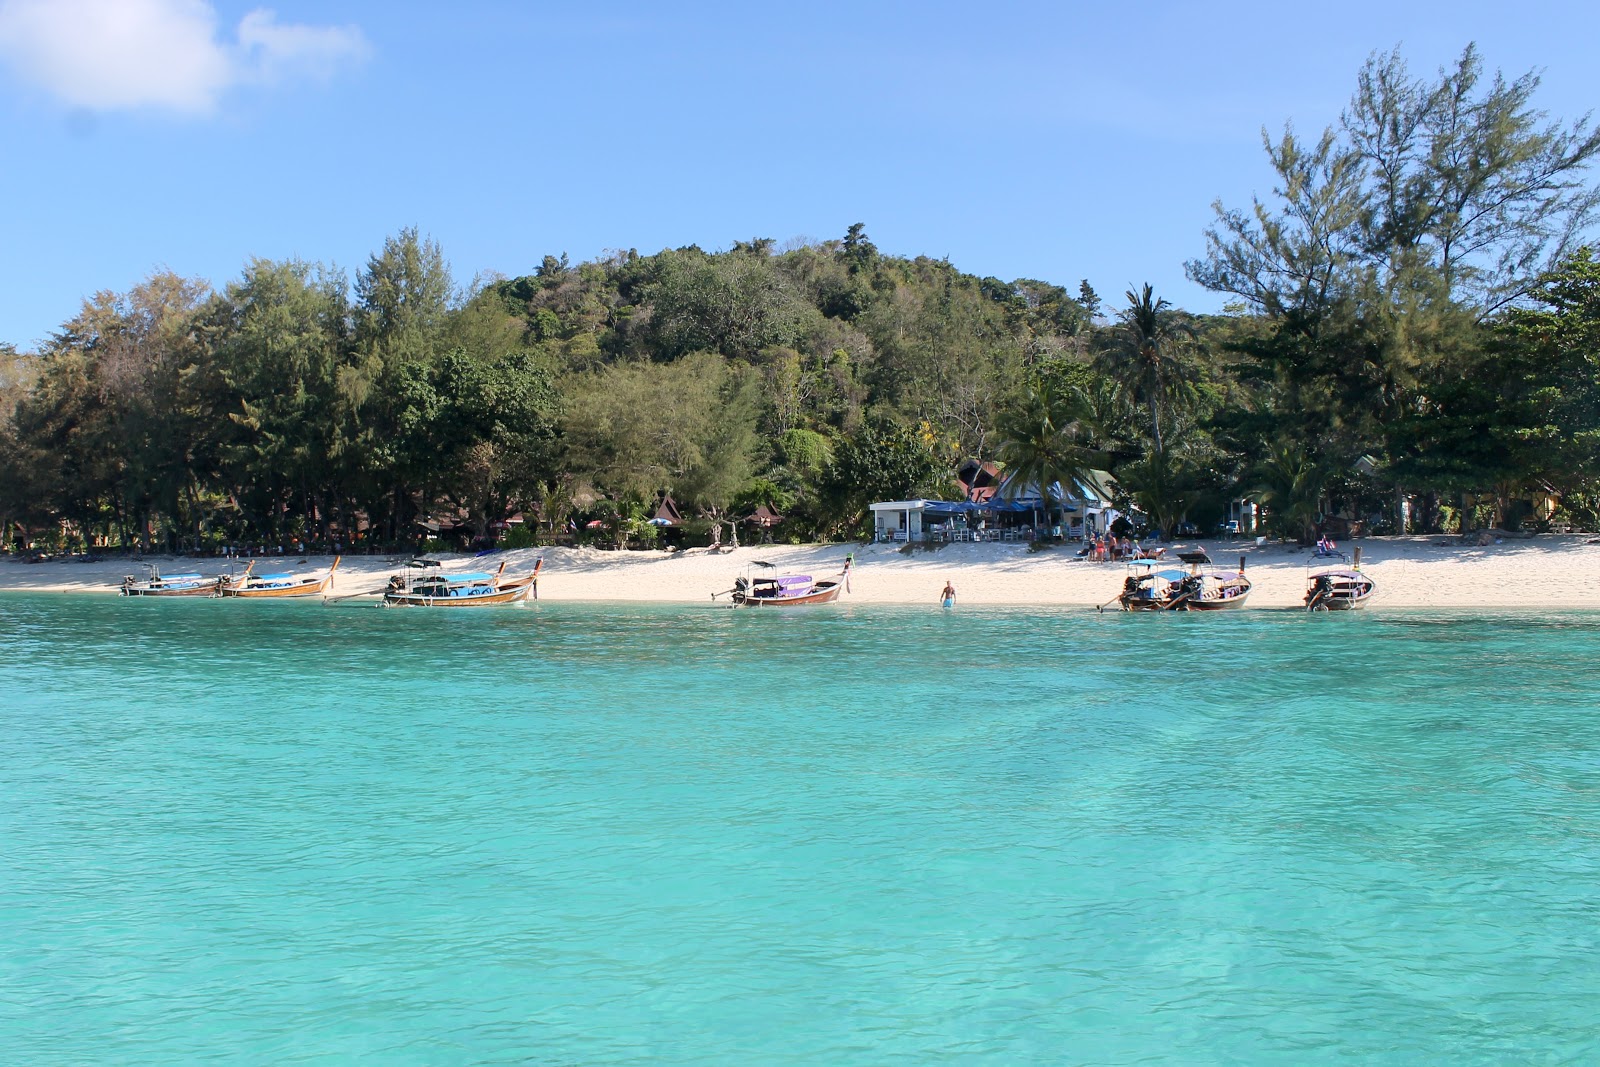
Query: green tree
885	461
1289	484
491	432
1432	206
687	426
1454	187
1149	357
1040	442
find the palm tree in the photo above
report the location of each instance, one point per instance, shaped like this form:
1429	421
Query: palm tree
1150	355
1289	486
1039	442
1163	486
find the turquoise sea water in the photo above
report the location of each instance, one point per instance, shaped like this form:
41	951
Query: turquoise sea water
608	834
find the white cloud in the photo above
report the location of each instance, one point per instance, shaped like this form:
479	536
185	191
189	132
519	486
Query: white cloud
275	52
106	55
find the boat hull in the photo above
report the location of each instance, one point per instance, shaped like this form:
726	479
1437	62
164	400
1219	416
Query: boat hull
824	593
1228	604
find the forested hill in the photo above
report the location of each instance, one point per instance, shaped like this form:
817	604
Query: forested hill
1406	331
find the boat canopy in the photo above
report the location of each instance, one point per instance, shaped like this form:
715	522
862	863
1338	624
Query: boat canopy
794	583
467	576
1167	575
274	577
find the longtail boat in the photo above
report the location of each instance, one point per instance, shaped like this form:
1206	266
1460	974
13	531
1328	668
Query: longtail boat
786	590
279	585
1210	591
1338	588
1149	589
437	589
170	585
1196	589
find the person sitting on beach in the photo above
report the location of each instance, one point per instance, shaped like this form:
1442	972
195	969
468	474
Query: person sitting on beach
1325	546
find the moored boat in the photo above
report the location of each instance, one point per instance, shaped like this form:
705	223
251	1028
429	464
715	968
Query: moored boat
1174	589
473	589
1338	589
1210	591
170	585
1149	588
786	590
258	586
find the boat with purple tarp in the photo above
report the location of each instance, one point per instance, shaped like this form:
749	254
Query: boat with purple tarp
786	590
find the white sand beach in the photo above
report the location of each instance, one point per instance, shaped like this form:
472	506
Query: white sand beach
1549	571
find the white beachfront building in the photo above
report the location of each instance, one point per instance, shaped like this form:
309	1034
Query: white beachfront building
899	520
1086	510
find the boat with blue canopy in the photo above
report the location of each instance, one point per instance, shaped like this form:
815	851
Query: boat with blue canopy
1154	586
257	586
1149	587
158	584
461	589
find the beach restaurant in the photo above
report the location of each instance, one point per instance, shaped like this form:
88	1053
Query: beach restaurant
1006	516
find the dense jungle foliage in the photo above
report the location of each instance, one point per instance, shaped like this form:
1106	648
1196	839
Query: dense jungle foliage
1414	331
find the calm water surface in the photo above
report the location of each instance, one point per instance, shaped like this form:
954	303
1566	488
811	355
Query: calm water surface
285	833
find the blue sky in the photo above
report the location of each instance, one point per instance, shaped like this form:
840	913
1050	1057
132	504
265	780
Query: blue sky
1048	140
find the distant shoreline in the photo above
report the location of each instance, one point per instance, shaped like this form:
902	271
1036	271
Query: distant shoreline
1548	571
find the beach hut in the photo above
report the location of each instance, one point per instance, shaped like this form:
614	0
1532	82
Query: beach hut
667	513
765	519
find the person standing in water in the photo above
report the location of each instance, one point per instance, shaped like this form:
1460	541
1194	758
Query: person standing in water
947	598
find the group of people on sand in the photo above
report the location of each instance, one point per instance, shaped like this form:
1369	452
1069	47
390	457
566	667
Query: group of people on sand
1110	548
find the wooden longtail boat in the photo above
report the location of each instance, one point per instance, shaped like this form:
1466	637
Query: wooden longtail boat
1149	589
1171	589
171	585
468	590
279	585
1210	591
787	590
1338	588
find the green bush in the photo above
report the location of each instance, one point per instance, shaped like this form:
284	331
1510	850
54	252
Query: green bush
520	537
